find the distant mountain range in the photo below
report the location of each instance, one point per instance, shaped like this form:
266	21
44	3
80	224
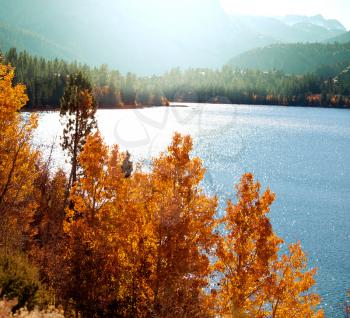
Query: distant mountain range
317	20
152	38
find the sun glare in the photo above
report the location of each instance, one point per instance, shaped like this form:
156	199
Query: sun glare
276	7
248	7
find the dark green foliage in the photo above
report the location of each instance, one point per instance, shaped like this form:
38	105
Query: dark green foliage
78	115
252	87
46	81
19	279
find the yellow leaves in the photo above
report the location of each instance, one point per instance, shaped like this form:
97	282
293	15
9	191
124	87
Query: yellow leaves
17	159
254	279
93	159
291	283
154	229
12	98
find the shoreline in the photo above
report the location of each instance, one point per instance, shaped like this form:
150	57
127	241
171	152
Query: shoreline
57	109
180	105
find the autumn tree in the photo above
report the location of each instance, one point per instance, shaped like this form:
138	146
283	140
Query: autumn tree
17	163
245	253
183	227
254	281
139	246
18	171
78	109
47	243
107	244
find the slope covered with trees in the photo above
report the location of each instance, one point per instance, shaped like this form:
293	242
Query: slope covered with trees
146	244
342	38
300	58
47	79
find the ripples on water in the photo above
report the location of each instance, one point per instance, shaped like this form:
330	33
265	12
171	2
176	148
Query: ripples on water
303	154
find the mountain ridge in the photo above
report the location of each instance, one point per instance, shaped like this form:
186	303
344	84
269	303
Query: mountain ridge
318	19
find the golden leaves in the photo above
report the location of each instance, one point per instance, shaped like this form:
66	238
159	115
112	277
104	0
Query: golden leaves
17	160
255	283
152	229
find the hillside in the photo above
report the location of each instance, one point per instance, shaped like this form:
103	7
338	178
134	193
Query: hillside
299	58
343	38
31	42
152	39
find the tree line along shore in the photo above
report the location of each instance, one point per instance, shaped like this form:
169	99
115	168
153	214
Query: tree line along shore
46	80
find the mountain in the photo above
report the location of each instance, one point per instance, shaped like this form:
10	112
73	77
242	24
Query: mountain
146	39
296	58
33	43
317	20
343	38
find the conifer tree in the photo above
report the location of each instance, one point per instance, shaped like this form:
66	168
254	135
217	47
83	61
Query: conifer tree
78	109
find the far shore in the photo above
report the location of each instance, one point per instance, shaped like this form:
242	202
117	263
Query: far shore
56	108
178	105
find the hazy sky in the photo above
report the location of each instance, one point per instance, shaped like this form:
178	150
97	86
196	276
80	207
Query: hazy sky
330	9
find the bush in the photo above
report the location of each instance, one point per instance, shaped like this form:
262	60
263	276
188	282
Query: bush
20	280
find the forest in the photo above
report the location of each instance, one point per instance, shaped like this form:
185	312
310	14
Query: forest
109	238
297	58
328	86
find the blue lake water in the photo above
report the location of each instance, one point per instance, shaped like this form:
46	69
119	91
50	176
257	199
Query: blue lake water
302	154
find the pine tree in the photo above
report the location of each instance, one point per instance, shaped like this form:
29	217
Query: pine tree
78	109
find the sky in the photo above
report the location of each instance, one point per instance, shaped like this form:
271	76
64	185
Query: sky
330	9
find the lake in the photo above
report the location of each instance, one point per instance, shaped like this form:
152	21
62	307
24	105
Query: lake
303	154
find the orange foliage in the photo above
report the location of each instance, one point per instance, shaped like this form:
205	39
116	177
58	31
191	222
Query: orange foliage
17	162
141	241
246	252
289	286
47	243
184	224
107	232
255	283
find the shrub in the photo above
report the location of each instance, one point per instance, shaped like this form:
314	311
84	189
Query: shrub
20	280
